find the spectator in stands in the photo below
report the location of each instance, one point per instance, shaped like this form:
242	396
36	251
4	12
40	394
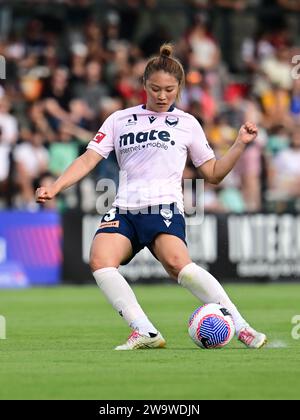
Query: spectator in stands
80	113
286	178
92	88
225	10
93	37
197	97
292	5
257	49
78	58
234	98
57	96
278	140
276	106
295	101
250	171
5	150
278	68
8	123
128	18
205	53
221	134
31	159
63	151
37	120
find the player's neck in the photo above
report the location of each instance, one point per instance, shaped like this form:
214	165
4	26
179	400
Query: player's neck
152	109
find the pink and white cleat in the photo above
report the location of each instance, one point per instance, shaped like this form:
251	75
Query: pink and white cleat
138	341
251	338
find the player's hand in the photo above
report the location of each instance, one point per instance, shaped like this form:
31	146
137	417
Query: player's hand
248	133
43	194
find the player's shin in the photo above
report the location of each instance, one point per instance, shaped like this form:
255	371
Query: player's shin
206	288
118	292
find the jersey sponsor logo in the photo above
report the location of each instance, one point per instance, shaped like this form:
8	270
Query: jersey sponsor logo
115	224
133	120
171	121
142	137
152	119
99	137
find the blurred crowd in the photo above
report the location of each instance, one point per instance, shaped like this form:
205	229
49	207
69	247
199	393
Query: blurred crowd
70	64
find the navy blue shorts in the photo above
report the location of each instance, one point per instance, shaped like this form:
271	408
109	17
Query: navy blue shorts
143	227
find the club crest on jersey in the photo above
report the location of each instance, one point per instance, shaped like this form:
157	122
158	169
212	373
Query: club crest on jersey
166	213
132	121
99	137
171	121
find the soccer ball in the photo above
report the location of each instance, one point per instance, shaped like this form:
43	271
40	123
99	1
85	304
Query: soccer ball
211	326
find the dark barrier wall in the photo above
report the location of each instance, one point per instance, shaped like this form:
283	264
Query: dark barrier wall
254	247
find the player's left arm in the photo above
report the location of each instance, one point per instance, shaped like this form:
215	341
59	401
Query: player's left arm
215	170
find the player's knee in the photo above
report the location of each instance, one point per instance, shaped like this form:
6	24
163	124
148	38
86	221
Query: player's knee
97	263
175	264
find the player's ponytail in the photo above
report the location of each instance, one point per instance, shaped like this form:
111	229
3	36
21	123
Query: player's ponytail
167	63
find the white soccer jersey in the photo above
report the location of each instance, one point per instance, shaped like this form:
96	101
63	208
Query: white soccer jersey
151	149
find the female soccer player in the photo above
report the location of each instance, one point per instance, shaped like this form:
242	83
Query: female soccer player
151	142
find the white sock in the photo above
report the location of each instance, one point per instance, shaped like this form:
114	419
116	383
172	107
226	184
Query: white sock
206	288
120	295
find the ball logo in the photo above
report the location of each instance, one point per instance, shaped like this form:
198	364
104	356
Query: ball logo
171	121
225	312
212	331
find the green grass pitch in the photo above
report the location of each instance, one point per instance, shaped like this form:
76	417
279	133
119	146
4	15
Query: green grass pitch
60	346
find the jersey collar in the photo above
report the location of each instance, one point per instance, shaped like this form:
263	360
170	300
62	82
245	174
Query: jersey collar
172	107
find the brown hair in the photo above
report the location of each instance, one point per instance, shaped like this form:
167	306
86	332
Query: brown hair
167	63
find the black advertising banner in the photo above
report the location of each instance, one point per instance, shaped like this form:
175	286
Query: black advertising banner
75	270
245	247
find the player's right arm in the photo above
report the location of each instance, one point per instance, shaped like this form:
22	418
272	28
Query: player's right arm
74	173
